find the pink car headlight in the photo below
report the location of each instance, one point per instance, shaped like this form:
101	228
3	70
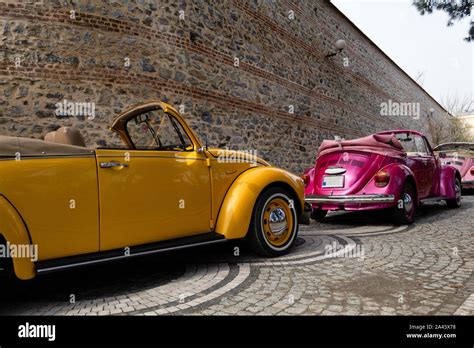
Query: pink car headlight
382	178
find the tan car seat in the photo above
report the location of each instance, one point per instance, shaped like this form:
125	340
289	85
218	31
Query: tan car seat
66	135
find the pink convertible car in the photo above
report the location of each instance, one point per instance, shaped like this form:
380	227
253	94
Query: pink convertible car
461	156
395	170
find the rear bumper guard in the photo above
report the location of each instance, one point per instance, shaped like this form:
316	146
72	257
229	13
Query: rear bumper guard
348	199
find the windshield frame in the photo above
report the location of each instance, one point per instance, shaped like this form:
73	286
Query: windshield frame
119	123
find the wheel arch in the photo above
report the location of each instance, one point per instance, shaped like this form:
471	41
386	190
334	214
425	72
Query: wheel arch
447	175
400	174
233	220
13	230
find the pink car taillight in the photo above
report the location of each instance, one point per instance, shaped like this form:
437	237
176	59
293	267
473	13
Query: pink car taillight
382	178
472	170
305	178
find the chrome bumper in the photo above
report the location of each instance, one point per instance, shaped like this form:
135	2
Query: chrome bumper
351	199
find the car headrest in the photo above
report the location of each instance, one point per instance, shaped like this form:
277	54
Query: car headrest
66	135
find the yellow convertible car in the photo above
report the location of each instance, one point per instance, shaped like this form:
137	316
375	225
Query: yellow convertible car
64	205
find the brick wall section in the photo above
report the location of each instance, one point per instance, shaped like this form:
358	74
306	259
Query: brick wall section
190	62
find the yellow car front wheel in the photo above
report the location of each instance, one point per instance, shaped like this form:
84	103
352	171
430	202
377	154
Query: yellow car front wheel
274	224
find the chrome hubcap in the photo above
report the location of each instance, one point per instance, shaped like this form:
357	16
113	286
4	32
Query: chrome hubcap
407	202
277	223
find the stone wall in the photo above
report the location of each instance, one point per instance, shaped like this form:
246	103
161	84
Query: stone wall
118	53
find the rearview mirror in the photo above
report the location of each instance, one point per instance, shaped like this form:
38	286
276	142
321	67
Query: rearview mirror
141	118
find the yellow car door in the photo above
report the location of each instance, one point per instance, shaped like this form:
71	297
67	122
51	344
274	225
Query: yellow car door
158	190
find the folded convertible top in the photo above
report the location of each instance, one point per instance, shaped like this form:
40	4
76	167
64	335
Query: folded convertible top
384	144
10	146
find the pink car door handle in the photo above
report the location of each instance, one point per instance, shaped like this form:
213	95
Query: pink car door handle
112	165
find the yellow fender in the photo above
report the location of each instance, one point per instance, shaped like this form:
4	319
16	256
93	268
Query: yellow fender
236	211
15	232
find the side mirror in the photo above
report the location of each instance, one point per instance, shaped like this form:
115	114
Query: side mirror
442	155
205	147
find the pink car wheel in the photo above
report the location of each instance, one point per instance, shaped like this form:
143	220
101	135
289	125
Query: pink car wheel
404	212
455	202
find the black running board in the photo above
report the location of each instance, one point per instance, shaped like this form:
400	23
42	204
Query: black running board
124	253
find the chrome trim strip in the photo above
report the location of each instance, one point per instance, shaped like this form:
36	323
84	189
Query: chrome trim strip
335	171
27	157
351	199
150	156
113	258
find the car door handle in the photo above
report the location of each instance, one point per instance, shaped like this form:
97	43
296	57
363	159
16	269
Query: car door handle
112	165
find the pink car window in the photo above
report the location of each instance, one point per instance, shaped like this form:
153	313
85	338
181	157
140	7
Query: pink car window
420	145
408	143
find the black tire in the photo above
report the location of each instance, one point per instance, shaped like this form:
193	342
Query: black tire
318	214
455	202
270	204
404	212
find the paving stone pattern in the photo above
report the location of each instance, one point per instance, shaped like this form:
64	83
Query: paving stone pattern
350	264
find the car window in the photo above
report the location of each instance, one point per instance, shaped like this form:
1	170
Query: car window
427	146
413	144
408	143
157	130
420	145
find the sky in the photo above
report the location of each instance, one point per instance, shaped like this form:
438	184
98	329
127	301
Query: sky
418	44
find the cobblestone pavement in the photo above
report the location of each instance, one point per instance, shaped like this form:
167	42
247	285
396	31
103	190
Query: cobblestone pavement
350	264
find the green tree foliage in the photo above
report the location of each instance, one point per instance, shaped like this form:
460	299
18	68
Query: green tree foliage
456	10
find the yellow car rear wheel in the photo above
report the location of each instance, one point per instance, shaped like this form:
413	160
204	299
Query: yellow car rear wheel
274	225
